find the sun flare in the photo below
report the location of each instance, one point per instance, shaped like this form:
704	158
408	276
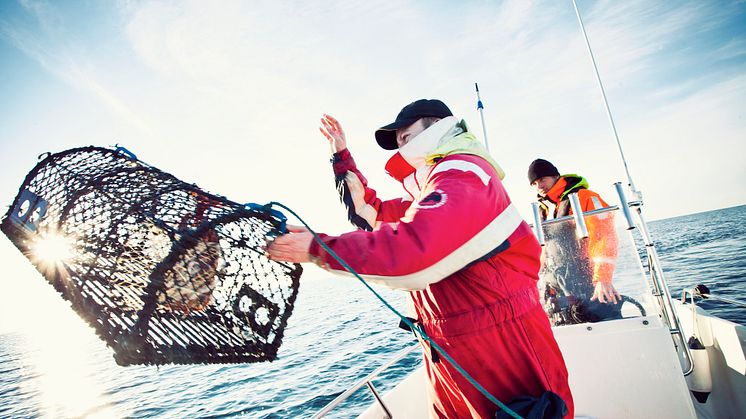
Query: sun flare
53	248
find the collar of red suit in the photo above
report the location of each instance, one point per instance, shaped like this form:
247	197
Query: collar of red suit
413	155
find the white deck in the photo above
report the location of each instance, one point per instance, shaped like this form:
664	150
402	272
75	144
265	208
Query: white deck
626	369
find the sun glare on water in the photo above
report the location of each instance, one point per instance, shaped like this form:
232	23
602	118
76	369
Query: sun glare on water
65	367
65	377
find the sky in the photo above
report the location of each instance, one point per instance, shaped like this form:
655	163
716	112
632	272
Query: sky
228	94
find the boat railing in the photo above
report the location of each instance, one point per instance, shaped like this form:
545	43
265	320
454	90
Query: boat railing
368	381
701	291
660	286
657	279
661	290
570	217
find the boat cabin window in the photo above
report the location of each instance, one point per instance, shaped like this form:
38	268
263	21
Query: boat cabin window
572	268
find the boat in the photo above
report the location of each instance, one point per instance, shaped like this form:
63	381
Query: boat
640	366
665	358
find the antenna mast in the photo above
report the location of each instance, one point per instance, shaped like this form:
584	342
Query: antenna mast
633	189
480	106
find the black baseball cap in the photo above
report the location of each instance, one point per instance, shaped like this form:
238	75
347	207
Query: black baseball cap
386	135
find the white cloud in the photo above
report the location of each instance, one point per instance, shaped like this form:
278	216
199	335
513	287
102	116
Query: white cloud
242	85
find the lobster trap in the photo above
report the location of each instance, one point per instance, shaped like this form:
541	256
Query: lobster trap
163	271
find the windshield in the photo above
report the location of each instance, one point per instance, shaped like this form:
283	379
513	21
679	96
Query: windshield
578	273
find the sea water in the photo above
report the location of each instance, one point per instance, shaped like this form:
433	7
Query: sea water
338	334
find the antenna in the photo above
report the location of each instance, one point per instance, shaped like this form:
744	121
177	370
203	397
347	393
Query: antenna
480	106
635	192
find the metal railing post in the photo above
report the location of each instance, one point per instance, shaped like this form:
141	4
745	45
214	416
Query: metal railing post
367	381
386	411
538	230
577	212
624	206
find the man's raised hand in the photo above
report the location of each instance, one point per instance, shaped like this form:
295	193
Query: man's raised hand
333	132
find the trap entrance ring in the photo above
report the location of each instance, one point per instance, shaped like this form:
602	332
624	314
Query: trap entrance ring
163	271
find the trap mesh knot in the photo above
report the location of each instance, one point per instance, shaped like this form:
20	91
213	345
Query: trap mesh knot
163	271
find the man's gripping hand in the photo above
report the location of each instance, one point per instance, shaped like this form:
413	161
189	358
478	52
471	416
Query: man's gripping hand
292	247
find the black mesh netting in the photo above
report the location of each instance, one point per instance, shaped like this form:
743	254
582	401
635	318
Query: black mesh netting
164	272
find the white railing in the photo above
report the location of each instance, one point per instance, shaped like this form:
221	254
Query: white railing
368	381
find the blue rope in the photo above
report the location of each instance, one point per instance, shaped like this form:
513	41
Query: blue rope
404	319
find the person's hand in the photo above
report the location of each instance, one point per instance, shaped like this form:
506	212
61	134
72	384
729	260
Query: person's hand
333	132
606	293
292	247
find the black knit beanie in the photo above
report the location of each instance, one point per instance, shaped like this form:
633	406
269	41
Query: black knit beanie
540	168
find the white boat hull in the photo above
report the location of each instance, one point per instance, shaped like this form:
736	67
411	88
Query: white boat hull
626	369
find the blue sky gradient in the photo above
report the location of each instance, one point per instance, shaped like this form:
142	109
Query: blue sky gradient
225	93
228	95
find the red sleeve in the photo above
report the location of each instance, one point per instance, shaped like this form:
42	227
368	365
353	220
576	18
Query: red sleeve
364	208
463	214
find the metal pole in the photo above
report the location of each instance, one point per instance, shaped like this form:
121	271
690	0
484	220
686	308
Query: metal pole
386	411
703	292
347	393
577	212
632	187
480	106
625	208
538	229
659	281
723	299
